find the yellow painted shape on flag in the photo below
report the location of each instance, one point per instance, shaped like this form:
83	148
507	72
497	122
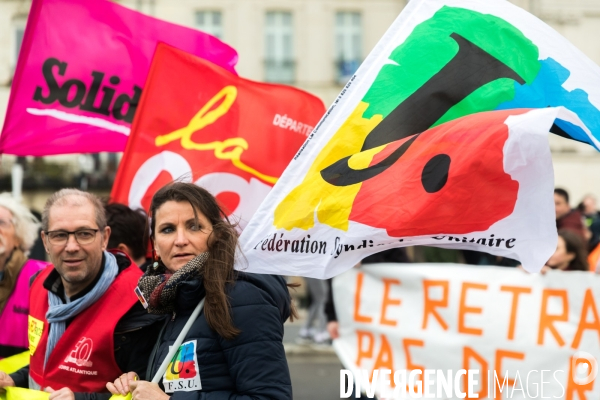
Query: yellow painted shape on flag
332	204
14	363
15	393
36	328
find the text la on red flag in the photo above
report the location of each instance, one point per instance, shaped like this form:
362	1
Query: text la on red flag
200	123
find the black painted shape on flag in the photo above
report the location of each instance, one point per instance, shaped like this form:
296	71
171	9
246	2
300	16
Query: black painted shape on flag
435	173
471	68
557	130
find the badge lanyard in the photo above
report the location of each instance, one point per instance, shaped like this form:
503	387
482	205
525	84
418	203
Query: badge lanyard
178	342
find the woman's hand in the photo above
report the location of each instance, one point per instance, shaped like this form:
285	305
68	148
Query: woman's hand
144	390
121	384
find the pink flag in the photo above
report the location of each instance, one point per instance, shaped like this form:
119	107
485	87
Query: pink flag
81	71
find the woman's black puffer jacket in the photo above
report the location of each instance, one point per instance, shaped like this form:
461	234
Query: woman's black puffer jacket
251	366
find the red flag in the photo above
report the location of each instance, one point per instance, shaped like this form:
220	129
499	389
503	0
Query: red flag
199	123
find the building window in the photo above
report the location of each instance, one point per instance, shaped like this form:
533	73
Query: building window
279	48
18	34
210	22
348	44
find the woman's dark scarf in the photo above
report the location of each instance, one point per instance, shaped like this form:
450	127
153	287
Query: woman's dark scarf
159	285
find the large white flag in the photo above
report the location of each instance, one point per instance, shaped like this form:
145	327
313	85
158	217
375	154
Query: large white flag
429	144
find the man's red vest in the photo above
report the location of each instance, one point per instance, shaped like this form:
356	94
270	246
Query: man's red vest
83	359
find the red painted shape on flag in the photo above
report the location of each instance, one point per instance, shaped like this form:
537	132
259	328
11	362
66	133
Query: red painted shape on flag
396	199
197	120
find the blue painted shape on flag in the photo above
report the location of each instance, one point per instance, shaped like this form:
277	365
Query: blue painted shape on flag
576	132
547	91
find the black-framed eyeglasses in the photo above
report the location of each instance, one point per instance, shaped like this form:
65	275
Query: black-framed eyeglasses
82	236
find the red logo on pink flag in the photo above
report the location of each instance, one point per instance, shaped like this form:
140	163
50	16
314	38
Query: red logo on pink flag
81	71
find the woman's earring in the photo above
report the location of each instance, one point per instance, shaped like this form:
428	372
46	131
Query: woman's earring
156	259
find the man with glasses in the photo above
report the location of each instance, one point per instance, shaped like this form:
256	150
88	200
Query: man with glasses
86	325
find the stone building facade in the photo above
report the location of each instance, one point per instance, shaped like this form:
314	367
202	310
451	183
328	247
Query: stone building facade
317	44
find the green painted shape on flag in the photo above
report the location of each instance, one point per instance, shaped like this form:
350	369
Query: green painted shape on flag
429	48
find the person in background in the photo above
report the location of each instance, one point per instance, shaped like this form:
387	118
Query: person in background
128	232
18	230
588	209
566	218
314	328
86	324
37	251
594	259
570	254
330	313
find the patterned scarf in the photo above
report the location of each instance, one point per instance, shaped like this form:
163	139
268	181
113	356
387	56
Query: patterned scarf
159	286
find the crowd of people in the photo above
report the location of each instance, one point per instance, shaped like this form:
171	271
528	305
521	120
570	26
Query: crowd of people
100	325
578	234
154	306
